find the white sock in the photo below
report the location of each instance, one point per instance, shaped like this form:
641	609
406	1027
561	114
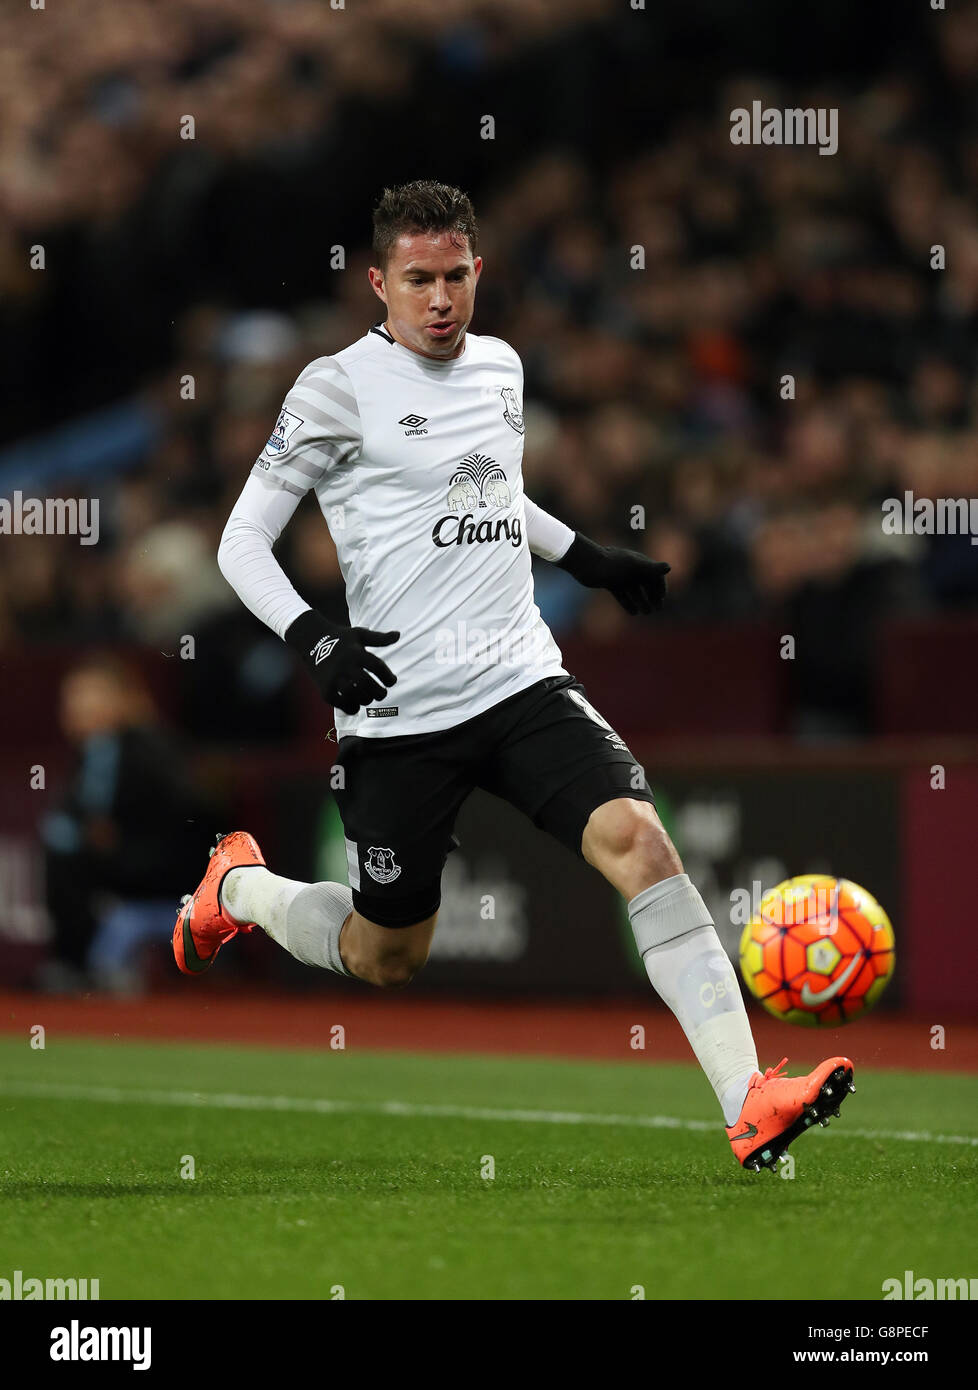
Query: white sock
305	918
689	968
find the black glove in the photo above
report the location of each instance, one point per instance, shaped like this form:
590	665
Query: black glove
338	661
639	584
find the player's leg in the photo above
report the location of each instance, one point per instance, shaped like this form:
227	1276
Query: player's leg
676	937
398	802
318	924
686	963
389	957
558	760
625	840
398	799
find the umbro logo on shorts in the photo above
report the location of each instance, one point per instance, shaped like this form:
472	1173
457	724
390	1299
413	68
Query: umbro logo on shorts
414	423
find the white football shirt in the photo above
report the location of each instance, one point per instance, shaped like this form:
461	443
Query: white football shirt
416	466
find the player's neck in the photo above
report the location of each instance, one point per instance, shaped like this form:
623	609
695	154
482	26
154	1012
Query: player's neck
428	356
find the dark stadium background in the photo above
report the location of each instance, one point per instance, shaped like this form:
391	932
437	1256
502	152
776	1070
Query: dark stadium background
656	388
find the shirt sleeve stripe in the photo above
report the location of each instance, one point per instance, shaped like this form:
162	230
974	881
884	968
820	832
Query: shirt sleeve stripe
275	480
313	460
321	408
328	373
334	392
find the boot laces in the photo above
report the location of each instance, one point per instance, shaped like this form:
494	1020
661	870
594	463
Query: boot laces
773	1072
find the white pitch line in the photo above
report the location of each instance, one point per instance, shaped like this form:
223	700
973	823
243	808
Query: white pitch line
112	1095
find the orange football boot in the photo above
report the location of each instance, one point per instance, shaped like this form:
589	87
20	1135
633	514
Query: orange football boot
778	1108
202	926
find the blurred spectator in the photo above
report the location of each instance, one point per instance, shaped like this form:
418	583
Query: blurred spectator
127	835
834	617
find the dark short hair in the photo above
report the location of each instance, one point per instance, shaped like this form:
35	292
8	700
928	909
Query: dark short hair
422	206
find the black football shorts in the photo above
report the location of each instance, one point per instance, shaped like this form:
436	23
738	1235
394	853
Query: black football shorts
545	750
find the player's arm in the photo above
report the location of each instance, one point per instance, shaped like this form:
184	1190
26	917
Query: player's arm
638	583
317	429
347	674
545	535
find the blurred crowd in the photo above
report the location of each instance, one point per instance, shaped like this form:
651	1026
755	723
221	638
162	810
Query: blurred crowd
733	354
92	93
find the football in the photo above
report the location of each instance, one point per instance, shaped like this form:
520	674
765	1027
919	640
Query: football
818	951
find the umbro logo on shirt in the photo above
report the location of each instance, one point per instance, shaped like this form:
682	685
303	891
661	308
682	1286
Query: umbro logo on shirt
414	422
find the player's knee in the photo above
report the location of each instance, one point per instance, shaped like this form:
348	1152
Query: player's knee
663	856
631	834
396	970
653	853
388	957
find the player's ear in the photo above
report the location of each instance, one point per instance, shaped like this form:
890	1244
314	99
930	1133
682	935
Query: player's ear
376	278
477	263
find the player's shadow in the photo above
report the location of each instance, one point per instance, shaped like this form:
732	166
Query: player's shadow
363	1172
271	1175
38	1187
255	1175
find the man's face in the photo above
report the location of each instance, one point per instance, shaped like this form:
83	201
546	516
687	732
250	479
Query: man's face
91	703
429	289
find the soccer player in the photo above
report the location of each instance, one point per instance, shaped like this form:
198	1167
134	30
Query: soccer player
412	439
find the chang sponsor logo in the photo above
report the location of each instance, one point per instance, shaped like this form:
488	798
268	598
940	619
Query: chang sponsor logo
477	483
465	530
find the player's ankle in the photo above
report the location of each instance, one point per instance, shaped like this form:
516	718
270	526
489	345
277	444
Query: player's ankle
229	891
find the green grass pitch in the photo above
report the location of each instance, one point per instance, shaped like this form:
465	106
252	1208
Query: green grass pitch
365	1171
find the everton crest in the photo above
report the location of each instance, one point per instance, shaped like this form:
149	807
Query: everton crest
381	865
512	413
